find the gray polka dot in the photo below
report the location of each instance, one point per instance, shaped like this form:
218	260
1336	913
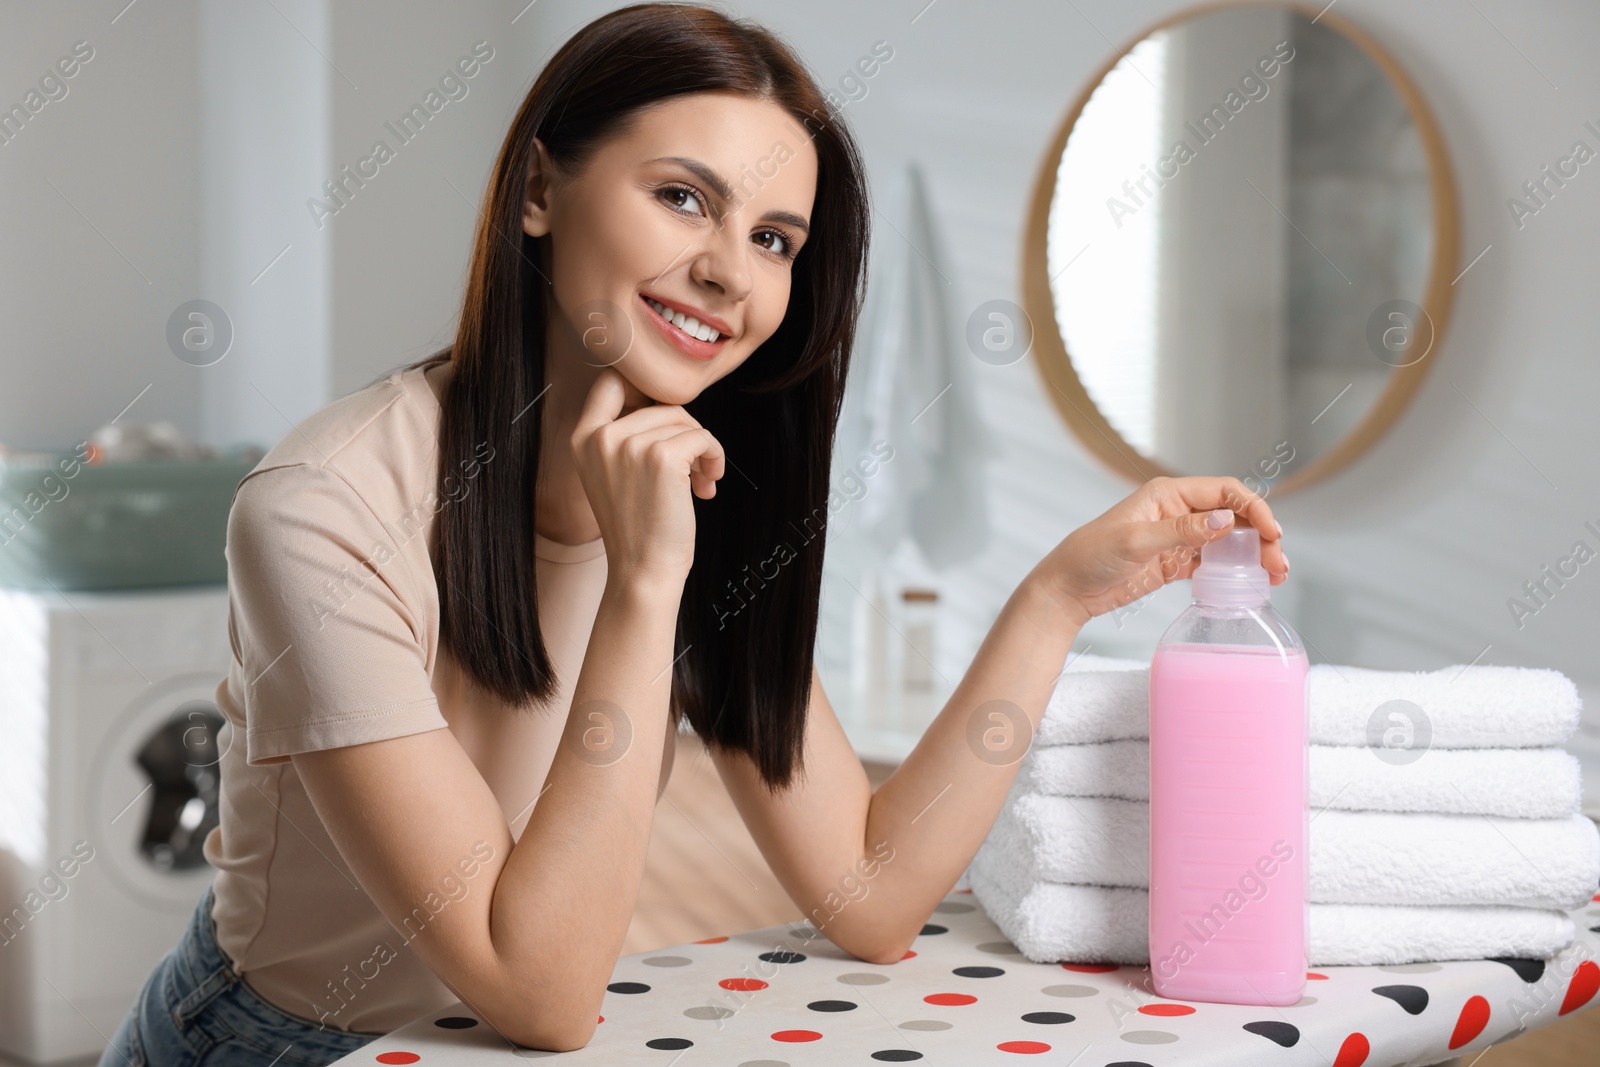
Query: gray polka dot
1070	991
925	1024
1000	948
1412	968
1149	1037
863	978
765	1063
805	933
668	961
708	1011
1304	1002
953	907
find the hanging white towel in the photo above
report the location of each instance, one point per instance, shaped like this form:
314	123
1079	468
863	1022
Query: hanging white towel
911	387
1473	706
1525	783
1051	922
1356	857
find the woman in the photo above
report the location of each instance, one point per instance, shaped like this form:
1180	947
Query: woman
501	575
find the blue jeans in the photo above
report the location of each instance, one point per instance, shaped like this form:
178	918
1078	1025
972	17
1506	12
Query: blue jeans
194	1011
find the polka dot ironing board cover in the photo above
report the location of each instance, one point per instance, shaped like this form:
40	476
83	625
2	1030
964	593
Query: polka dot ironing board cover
963	995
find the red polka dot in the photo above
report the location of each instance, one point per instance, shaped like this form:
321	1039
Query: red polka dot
908	954
398	1057
1585	983
1474	1017
1090	968
712	940
950	998
797	1035
1315	977
744	985
1167	1009
968	891
1353	1053
1027	1048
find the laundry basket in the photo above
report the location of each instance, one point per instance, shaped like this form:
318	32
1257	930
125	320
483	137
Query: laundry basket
122	525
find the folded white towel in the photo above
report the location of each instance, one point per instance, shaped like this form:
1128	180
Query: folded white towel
1365	857
1050	922
1524	783
1472	706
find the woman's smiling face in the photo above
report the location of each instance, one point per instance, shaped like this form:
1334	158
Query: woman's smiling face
697	209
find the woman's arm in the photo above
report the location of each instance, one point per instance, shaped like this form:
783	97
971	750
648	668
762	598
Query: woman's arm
533	956
532	952
869	868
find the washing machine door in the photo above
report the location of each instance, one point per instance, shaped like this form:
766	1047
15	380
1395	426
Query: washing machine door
180	757
155	785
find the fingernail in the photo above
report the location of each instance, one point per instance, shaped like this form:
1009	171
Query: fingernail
1279	525
1219	518
1286	564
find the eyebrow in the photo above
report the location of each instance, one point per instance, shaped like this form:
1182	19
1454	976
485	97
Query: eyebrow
723	189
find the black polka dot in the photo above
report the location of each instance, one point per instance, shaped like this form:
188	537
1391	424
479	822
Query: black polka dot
935	928
896	1055
1128	1063
1283	1033
1049	1017
1527	970
832	1005
979	972
668	1043
782	956
456	1022
627	987
1413	998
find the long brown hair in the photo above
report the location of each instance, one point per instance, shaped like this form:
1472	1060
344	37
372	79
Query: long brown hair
747	620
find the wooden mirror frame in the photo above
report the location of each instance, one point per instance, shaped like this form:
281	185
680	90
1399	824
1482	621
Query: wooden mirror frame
1050	356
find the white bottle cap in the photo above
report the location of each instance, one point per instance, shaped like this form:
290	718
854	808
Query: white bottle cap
1230	573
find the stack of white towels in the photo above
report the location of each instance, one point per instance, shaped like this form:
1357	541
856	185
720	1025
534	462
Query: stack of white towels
1476	848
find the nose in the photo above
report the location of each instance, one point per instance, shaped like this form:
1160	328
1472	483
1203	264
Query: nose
723	264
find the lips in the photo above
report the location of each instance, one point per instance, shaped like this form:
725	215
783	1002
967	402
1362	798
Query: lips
691	311
689	345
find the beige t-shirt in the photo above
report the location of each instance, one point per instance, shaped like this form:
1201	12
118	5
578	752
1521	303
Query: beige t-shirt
334	622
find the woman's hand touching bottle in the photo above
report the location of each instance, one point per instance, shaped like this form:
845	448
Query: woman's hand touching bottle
638	470
1153	537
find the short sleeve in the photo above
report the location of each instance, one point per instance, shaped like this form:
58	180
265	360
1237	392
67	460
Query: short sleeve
326	619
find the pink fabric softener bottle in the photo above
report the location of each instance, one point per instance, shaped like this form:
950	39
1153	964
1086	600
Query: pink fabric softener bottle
1229	790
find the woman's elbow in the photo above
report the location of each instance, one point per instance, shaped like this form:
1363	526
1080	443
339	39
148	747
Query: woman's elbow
872	947
550	1035
542	1016
883	954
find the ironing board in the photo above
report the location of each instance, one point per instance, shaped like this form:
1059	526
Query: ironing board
963	995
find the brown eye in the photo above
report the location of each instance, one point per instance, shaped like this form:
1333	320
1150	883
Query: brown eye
672	192
785	246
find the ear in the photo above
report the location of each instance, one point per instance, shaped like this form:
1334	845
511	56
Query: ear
536	199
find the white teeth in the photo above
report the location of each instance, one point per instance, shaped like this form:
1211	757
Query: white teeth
687	323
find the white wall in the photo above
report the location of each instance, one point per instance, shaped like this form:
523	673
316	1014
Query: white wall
99	228
401	244
268	89
1405	559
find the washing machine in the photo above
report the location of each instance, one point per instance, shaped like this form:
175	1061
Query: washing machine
110	750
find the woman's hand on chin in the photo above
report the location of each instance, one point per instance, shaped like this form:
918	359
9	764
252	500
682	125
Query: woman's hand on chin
1153	537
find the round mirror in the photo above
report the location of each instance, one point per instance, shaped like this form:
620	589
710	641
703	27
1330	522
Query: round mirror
1241	248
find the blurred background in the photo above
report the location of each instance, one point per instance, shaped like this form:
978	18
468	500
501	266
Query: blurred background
182	279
